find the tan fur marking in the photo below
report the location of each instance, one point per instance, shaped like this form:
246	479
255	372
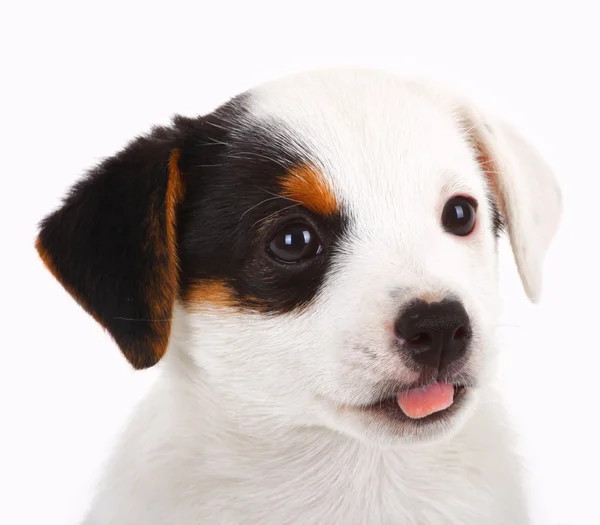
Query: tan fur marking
165	285
175	192
307	186
488	166
216	293
485	160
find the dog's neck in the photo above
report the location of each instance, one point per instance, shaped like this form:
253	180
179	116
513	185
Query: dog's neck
184	445
192	402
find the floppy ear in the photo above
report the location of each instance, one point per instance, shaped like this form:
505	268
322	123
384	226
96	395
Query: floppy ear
112	244
526	192
524	186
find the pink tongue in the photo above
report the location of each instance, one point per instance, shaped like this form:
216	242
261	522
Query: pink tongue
421	402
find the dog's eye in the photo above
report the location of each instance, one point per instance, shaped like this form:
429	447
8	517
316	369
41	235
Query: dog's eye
294	243
458	217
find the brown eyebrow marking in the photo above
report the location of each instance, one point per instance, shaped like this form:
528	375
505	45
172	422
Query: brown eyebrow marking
306	185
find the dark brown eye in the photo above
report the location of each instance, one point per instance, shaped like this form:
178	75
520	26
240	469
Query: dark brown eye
458	217
294	243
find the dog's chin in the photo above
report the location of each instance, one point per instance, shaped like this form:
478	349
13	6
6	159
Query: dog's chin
384	423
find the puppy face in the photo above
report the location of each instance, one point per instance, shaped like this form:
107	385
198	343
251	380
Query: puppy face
329	243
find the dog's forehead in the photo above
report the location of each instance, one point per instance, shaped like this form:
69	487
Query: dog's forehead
376	138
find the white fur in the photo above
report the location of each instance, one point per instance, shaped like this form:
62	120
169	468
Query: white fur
254	418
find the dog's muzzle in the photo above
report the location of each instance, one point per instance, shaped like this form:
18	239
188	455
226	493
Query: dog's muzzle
432	336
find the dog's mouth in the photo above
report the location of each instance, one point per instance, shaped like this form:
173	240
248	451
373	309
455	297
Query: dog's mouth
425	404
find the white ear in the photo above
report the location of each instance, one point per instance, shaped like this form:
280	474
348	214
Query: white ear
527	193
524	186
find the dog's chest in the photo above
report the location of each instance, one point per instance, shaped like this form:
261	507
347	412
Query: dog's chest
313	477
354	487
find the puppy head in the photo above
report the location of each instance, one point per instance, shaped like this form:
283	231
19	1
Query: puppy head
329	240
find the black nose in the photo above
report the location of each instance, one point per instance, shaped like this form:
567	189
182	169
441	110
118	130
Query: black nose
434	334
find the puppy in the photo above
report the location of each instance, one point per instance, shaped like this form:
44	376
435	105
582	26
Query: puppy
313	268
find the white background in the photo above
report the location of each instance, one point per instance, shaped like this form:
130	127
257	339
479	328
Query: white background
80	80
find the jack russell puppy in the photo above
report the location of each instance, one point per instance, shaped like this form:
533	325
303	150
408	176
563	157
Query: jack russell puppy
313	268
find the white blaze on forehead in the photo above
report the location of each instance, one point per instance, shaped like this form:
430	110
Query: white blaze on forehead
387	150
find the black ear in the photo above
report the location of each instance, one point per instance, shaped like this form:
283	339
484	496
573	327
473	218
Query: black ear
112	244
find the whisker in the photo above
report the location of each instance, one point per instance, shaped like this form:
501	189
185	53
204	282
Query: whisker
259	155
281	196
468	130
274	213
216	125
262	202
214	142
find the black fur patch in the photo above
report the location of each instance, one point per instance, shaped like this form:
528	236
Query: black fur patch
233	207
107	245
109	242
